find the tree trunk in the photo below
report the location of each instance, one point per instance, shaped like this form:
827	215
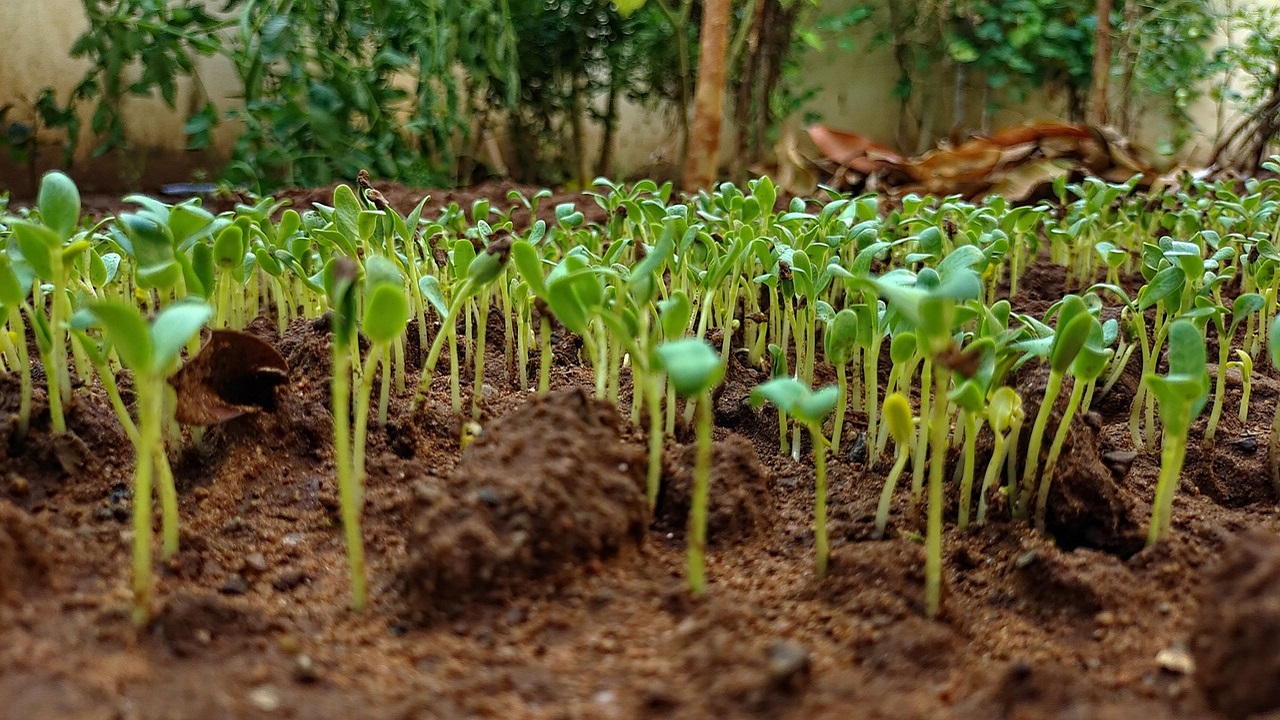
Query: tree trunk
1101	65
708	104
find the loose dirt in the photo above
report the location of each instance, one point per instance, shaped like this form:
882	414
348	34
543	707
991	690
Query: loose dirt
519	579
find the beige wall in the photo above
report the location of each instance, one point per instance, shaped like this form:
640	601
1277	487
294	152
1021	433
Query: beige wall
856	95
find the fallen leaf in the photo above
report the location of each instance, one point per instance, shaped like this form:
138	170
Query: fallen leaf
234	374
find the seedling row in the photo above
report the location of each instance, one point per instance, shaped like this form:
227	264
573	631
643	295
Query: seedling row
664	294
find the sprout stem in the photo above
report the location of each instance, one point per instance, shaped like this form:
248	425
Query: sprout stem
922	438
937	461
970	459
902	453
364	395
1055	449
1171	457
477	383
697	570
998	453
653	389
842	400
151	411
348	492
821	544
544	359
1051	391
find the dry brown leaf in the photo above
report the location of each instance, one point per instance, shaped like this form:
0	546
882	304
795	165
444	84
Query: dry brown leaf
234	374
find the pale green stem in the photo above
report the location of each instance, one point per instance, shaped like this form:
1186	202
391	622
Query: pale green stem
697	570
1055	449
937	460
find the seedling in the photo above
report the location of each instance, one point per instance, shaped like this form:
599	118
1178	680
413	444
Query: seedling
1244	363
50	246
898	419
839	344
1004	416
810	408
1088	364
342	274
694	369
481	273
1074	325
1244	307
1273	443
151	353
1182	394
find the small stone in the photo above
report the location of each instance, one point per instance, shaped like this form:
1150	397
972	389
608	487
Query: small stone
235	586
1247	444
265	698
1176	660
1105	618
255	562
789	664
233	524
289	644
18	485
304	669
1119	462
289	580
203	636
291	540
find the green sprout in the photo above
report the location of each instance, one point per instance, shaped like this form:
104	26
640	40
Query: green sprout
1244	307
1005	417
810	408
901	425
1273	443
50	247
151	353
12	298
694	369
486	268
342	274
1087	366
839	343
1244	363
1074	325
386	315
1182	394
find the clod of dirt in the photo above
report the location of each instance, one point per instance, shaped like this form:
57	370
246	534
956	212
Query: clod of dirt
233	374
188	624
24	557
1234	471
1236	655
1086	507
546	488
741	492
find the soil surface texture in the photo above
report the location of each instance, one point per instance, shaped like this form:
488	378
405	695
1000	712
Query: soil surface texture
524	578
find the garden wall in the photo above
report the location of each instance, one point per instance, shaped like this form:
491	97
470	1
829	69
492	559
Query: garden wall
855	92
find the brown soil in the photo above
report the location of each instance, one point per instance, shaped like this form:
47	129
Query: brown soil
518	580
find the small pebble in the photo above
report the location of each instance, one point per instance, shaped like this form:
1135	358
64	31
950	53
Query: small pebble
304	669
1176	660
289	580
255	562
788	663
235	586
18	485
265	698
289	644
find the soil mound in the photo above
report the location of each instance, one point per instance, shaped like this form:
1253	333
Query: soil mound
742	500
1086	507
1237	658
24	559
547	488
